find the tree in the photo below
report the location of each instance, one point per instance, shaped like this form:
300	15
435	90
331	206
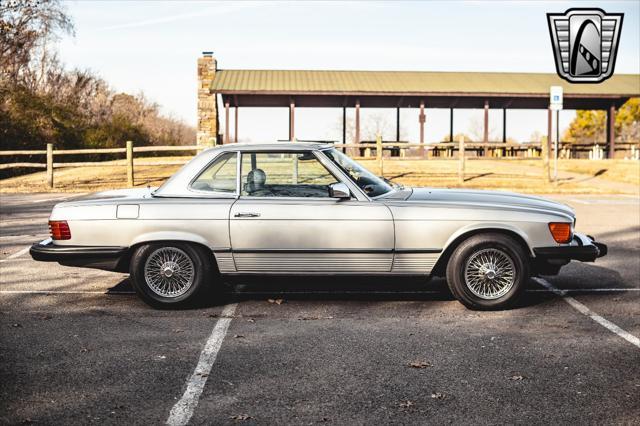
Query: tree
587	127
476	130
42	102
456	137
27	29
628	121
590	126
536	136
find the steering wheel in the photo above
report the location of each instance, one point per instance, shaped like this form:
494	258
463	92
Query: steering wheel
367	185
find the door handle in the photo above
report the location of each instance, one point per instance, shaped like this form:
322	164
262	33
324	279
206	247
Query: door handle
246	215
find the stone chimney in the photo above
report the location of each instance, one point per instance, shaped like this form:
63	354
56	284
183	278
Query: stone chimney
207	107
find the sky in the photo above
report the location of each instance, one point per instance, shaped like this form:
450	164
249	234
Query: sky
153	46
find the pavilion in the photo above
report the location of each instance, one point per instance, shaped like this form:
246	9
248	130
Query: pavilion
396	89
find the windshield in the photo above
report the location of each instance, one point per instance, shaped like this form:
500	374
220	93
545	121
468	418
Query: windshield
371	184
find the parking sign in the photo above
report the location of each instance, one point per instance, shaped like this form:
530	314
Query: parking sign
555	99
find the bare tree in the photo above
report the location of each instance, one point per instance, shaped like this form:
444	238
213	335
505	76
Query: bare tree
27	29
476	130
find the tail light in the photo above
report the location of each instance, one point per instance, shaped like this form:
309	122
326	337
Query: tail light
561	232
59	230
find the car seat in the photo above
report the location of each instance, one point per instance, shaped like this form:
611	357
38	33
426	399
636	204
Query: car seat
255	181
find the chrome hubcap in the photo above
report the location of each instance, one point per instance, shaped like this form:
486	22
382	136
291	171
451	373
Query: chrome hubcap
490	273
169	272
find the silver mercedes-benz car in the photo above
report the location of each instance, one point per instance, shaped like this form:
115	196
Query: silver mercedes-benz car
303	209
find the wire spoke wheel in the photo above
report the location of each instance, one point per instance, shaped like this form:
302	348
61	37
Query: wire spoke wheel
169	272
489	273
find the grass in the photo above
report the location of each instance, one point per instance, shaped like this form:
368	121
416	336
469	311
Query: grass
586	176
626	171
514	175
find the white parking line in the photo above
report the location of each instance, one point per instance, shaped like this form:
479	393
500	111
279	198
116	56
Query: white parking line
310	293
64	292
16	254
589	313
183	410
583	290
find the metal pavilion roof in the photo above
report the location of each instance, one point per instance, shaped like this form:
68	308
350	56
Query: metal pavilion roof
414	83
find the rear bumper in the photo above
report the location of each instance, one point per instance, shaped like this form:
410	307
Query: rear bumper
584	248
108	258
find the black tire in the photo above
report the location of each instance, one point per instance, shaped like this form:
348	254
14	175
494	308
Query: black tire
477	245
204	272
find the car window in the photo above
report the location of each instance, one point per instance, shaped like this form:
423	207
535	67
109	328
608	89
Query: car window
218	176
371	184
284	174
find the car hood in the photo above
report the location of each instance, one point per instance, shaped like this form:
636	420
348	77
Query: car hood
499	199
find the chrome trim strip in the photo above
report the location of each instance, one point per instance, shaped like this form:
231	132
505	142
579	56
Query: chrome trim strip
399	251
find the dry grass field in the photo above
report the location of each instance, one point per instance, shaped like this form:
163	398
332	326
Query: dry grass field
575	176
627	171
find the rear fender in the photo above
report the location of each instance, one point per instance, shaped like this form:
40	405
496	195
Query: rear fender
170	236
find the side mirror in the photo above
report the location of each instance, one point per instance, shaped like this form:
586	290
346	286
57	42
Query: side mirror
339	190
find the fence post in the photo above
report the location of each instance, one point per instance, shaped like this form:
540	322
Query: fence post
379	153
50	165
130	163
461	160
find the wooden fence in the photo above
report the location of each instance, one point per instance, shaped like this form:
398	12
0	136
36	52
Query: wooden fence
365	150
129	150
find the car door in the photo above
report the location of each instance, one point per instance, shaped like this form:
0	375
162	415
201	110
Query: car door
285	221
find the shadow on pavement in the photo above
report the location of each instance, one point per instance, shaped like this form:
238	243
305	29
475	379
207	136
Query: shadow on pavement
338	289
576	276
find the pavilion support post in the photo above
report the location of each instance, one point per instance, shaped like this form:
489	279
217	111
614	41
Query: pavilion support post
421	119
226	122
485	138
235	123
344	125
398	124
504	125
292	110
450	124
357	136
344	128
611	131
546	146
503	151
461	158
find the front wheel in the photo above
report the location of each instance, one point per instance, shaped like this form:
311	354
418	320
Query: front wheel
170	274
488	271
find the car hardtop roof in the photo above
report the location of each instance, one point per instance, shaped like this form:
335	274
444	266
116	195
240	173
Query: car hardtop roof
178	184
279	146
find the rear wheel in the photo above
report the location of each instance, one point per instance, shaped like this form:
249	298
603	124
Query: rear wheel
488	271
171	274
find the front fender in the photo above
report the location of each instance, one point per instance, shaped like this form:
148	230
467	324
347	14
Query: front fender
490	226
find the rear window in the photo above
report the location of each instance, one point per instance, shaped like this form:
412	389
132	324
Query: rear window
219	176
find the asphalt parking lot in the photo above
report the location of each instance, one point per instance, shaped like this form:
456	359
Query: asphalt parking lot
76	346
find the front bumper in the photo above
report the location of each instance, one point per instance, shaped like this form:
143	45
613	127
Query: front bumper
584	248
108	258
